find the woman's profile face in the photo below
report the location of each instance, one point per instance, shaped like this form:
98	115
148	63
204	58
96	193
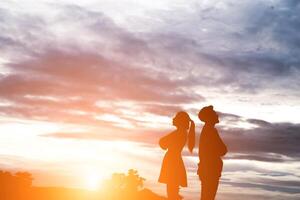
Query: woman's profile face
180	123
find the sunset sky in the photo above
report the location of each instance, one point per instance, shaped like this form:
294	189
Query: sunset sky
87	88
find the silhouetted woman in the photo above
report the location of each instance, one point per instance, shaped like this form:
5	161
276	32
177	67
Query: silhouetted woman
211	149
173	171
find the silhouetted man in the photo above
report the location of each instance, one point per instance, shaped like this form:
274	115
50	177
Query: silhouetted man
211	149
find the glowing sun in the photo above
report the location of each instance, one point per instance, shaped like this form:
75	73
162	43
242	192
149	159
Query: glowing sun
93	181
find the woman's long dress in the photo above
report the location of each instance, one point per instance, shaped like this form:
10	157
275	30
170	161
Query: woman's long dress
173	169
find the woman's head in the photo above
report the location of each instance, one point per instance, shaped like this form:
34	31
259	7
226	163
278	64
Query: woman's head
182	120
208	115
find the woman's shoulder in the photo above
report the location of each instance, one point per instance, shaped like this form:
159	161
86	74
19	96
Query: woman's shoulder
174	134
168	135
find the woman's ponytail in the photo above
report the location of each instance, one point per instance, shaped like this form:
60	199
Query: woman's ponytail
191	137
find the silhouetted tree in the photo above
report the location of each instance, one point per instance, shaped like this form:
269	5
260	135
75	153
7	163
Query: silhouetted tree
24	183
124	186
133	182
15	186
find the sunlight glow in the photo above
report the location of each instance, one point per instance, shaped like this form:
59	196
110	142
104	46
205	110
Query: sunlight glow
93	180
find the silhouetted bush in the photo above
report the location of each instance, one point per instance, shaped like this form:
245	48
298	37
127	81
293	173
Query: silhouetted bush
128	186
15	186
124	186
